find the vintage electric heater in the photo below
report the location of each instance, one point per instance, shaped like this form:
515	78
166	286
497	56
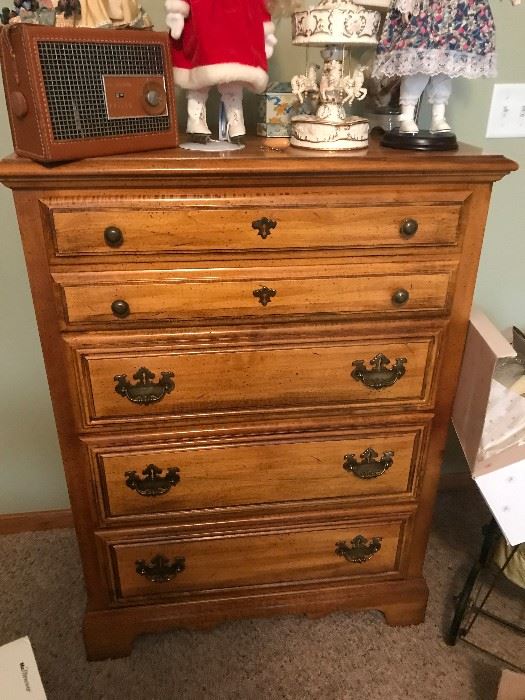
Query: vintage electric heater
74	92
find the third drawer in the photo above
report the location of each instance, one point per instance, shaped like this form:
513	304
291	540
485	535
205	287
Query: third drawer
123	381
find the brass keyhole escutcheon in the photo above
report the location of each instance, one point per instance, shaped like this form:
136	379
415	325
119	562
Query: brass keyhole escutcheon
264	226
264	294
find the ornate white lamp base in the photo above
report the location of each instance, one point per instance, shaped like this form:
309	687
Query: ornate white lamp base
309	131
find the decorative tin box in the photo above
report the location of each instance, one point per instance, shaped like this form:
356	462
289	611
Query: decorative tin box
276	107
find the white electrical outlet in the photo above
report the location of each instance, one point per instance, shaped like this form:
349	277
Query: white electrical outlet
507	112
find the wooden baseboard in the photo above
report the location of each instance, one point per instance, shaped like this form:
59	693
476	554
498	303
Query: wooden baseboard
31	522
456	481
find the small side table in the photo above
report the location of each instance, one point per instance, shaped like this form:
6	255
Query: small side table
471	603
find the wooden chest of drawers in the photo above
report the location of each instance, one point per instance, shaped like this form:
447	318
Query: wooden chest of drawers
252	360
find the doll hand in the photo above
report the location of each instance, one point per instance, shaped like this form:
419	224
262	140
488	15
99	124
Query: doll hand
516	2
406	8
175	22
270	40
176	13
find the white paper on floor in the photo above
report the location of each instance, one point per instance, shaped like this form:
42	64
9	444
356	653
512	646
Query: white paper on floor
19	676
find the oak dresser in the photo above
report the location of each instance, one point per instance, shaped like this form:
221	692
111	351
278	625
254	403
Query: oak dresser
252	359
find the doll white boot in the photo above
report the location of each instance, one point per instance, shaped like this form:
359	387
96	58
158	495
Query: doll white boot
439	123
231	96
196	127
407	124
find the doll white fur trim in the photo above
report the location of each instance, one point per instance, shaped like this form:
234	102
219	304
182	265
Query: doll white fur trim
203	76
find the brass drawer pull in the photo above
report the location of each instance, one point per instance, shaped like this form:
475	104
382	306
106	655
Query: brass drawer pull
160	570
144	391
369	467
264	226
264	294
153	483
379	376
400	296
113	236
408	227
360	551
120	308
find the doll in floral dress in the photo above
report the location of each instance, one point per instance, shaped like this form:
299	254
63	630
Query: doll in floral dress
429	42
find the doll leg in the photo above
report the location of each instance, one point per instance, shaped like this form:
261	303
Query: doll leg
412	87
439	91
197	128
231	95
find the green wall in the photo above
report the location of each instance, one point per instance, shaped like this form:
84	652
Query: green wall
31	468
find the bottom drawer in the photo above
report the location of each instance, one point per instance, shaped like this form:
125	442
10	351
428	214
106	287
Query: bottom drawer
171	566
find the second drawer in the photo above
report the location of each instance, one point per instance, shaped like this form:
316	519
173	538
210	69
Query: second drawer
125	297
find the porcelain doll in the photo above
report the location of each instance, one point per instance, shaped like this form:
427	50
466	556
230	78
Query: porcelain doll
429	42
225	43
116	14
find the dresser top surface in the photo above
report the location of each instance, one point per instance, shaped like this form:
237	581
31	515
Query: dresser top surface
260	157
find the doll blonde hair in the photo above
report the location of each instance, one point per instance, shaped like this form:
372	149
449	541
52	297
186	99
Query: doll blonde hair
283	8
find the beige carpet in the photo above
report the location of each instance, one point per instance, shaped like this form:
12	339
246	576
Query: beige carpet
339	657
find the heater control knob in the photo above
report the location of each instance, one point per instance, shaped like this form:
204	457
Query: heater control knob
19	105
153	98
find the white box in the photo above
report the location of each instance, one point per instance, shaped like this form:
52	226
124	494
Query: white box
19	676
489	419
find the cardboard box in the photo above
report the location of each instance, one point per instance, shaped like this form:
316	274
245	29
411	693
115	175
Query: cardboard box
276	107
489	419
512	686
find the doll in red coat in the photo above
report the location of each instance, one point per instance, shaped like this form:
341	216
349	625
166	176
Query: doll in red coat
224	43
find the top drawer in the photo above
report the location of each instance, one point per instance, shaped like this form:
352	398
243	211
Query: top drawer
247	224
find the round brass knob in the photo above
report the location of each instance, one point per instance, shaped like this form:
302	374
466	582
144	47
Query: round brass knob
113	236
400	296
120	308
408	227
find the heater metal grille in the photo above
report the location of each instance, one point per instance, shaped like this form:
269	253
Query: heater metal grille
72	73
